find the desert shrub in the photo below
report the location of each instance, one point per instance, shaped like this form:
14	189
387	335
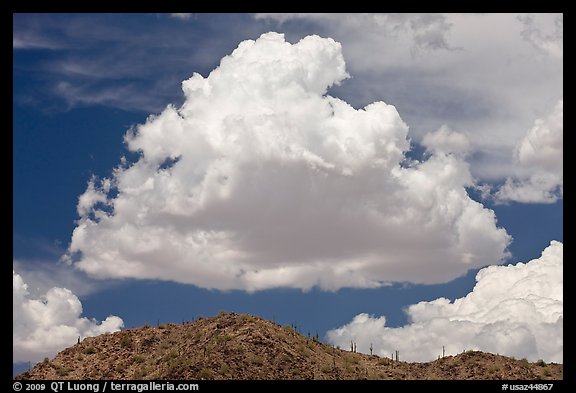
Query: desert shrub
126	342
46	360
257	360
223	339
177	363
120	368
224	369
89	351
139	359
62	371
205	373
348	366
541	363
326	369
303	350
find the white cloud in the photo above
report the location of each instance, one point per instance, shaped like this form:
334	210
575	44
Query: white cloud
542	147
430	30
504	69
91	197
538	188
260	180
43	326
539	157
545	32
42	275
426	31
515	310
444	140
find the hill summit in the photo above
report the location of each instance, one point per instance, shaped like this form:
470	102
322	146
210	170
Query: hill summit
237	346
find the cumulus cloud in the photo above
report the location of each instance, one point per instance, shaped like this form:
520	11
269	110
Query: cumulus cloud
515	310
43	326
540	156
261	180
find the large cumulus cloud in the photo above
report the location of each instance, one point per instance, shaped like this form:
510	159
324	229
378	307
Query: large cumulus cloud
516	310
261	179
43	326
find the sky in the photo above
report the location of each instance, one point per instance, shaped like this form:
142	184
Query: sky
395	180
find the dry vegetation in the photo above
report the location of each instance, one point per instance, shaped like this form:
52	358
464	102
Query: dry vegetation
233	346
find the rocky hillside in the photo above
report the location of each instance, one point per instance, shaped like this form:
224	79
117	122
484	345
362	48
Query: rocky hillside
233	346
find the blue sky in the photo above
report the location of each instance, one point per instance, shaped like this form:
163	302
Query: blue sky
476	129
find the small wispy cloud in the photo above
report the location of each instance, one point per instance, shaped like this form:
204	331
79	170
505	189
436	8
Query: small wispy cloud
108	64
21	41
182	16
125	96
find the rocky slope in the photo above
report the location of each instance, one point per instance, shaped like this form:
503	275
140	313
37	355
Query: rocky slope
233	346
